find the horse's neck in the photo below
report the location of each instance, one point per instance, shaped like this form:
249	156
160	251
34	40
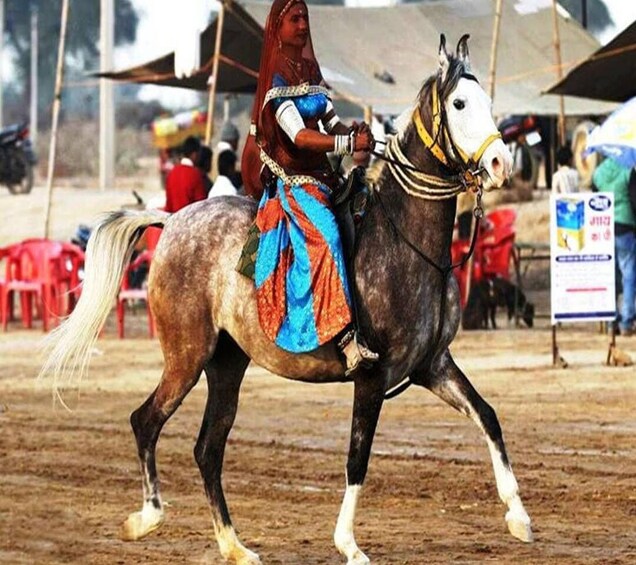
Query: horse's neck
428	224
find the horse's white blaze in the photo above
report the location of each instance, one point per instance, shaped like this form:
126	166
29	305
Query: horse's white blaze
343	536
231	547
472	123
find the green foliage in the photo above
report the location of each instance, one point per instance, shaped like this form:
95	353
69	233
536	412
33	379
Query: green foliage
82	37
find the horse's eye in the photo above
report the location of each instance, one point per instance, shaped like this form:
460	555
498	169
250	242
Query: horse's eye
459	104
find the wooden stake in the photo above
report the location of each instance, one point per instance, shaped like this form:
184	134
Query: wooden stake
559	69
209	126
493	49
59	77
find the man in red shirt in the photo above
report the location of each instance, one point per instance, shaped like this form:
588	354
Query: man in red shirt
184	184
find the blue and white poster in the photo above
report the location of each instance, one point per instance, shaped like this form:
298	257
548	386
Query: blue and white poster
582	257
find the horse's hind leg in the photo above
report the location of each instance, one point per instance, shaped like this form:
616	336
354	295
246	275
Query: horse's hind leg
184	363
449	383
367	403
224	373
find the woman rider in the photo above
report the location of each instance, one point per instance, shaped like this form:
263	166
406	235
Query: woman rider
302	291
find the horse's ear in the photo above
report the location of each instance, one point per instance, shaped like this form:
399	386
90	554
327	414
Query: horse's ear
444	59
462	50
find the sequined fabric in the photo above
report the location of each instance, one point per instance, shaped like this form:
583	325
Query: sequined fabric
302	293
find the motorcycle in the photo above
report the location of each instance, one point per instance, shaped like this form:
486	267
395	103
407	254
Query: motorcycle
17	159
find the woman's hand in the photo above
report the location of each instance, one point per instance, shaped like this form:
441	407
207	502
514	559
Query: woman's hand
363	140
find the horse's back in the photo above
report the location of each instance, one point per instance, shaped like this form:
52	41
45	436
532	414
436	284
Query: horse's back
194	283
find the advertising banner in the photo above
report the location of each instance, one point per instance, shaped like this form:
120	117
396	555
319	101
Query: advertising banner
582	257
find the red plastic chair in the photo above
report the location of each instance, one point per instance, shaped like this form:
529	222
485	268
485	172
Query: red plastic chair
33	271
152	235
501	219
134	294
72	273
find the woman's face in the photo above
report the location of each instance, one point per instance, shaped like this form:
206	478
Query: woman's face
294	27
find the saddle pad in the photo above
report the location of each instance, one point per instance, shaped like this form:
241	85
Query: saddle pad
247	261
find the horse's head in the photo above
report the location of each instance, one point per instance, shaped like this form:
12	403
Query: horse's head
465	112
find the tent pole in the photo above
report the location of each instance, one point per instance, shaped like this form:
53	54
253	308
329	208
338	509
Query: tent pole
493	49
59	77
557	54
209	126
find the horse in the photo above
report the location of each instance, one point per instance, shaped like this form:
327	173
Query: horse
407	306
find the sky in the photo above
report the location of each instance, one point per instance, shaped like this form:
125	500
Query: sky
160	20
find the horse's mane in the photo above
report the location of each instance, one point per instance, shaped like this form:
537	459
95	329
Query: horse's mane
456	69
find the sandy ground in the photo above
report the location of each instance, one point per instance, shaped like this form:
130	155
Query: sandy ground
69	479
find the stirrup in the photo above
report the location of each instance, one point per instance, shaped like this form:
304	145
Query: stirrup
363	359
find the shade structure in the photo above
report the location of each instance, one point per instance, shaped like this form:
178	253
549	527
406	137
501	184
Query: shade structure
608	74
358	47
379	57
238	64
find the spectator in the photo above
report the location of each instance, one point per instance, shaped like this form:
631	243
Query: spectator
609	176
566	179
184	184
204	164
223	185
229	142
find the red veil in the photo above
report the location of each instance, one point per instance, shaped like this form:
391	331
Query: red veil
269	136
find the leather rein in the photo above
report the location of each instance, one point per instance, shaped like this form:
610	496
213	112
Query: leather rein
421	184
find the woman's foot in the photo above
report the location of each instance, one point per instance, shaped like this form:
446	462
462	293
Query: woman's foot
358	355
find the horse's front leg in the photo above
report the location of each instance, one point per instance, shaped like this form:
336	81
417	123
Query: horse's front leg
448	382
367	403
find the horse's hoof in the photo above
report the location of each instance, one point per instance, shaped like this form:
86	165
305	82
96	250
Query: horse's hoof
520	529
138	525
250	558
359	559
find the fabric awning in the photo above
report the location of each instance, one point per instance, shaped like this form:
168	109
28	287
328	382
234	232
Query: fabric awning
238	64
608	74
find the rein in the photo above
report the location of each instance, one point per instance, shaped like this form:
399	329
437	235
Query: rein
420	184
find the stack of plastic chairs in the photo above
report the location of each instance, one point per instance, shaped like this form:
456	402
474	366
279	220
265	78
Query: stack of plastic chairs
128	294
493	250
496	243
34	272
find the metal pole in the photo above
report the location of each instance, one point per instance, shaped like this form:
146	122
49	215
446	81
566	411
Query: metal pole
209	126
59	77
557	54
106	99
34	77
1	52
493	49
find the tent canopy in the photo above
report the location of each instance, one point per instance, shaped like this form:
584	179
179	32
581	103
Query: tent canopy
355	46
238	66
380	56
608	74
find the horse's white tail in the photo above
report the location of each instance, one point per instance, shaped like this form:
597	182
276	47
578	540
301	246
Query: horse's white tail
108	253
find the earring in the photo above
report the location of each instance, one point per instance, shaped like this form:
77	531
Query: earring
280	44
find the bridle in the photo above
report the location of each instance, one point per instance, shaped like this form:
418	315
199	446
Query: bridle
419	184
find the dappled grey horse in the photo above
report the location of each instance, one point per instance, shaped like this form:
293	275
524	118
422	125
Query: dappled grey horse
408	307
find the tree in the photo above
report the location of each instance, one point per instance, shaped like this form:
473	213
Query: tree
82	37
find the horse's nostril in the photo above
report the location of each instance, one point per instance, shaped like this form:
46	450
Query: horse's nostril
496	164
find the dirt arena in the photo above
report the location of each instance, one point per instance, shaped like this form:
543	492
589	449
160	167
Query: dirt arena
69	479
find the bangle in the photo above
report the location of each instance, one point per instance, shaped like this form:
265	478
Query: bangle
352	142
341	144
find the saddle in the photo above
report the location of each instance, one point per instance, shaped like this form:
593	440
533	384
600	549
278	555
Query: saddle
350	201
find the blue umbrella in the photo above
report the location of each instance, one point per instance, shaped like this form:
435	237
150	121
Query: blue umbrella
616	137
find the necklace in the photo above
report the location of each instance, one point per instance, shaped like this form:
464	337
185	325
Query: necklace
295	66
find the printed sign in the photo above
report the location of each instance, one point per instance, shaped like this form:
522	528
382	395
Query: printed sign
582	257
